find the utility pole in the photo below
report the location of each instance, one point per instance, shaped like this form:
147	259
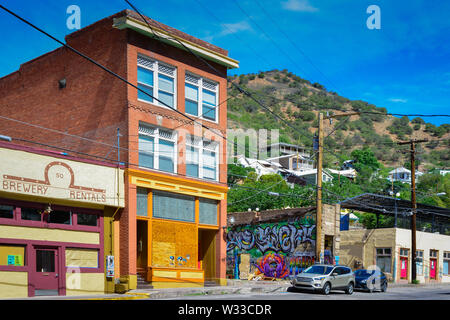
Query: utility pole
319	191
319	179
412	143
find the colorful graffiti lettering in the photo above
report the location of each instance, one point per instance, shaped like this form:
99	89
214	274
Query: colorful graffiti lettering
285	238
276	249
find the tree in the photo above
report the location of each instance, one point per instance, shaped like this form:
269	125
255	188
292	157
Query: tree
365	158
268	192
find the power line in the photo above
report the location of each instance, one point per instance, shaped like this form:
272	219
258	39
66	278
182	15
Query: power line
106	69
268	37
102	158
256	194
213	68
211	13
294	44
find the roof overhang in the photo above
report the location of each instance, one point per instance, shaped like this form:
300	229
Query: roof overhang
126	22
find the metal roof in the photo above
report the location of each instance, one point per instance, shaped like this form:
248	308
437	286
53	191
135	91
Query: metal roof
379	204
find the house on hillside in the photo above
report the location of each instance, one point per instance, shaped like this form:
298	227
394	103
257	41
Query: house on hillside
294	162
282	149
310	176
261	167
403	175
442	171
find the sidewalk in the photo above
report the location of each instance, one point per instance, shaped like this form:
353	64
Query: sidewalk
233	287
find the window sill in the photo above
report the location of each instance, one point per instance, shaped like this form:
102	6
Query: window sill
45	225
157	170
14	268
202	118
157	105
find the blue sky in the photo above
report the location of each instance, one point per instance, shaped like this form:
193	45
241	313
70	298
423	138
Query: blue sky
404	66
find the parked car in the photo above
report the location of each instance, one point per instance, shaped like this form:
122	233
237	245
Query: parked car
370	280
324	278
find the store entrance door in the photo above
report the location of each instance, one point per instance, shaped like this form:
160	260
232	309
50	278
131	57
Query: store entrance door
45	275
433	264
207	253
403	268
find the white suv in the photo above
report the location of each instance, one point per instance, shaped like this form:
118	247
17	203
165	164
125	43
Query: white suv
324	278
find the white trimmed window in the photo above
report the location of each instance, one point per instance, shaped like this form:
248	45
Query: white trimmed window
158	80
157	148
202	158
419	262
446	262
201	97
383	259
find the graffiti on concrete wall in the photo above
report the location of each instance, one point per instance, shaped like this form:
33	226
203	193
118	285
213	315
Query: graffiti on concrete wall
276	249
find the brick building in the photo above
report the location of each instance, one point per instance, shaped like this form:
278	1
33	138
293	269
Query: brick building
175	177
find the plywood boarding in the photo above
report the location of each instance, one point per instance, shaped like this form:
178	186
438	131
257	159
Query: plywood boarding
174	244
87	258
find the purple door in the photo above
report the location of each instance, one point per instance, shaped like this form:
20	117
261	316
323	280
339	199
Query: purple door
45	277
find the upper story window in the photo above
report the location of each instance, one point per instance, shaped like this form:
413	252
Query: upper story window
158	80
157	148
35	216
6	212
201	97
202	158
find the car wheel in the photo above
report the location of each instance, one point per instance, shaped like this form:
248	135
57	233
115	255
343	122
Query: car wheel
350	288
384	287
326	288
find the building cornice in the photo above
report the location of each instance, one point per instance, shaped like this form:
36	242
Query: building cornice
127	22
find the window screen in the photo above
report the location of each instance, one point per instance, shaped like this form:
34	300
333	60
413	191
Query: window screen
173	206
142	202
208	211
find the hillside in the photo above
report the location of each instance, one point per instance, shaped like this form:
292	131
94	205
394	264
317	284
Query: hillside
298	101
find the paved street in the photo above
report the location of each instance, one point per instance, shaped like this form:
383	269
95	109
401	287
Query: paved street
399	293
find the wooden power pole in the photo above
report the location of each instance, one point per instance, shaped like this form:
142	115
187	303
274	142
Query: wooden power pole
319	206
319	192
413	205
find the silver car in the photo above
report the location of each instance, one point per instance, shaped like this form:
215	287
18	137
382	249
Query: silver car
324	278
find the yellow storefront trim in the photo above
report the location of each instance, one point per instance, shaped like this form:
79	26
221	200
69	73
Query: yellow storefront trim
165	274
166	285
191	275
162	182
40	234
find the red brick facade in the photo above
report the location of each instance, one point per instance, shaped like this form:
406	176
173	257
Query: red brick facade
94	104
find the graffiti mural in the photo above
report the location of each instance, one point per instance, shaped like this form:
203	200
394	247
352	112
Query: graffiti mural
277	250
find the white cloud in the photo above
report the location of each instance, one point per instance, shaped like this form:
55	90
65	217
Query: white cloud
398	100
298	5
230	28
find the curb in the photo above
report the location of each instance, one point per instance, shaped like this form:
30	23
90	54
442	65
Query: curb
223	290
